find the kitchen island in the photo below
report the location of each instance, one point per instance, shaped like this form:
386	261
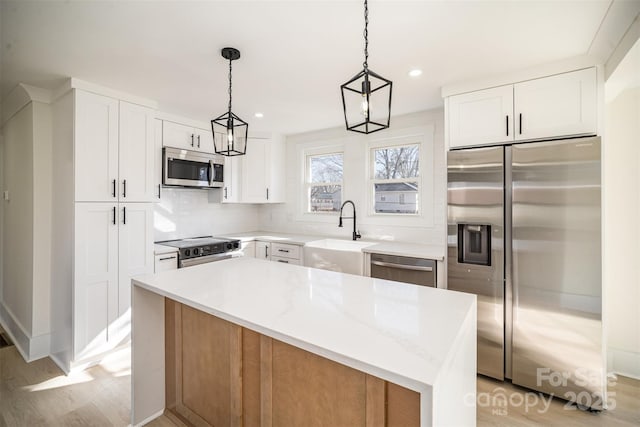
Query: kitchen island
250	342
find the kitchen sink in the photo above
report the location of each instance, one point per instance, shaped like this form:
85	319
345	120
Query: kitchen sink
345	256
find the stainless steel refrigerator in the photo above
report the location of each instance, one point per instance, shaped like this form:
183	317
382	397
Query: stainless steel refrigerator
524	235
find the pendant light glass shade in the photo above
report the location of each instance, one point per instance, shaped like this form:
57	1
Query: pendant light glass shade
366	97
230	131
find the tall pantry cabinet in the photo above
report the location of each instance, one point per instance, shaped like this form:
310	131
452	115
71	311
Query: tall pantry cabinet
103	192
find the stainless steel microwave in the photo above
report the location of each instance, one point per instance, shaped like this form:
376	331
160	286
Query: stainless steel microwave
186	168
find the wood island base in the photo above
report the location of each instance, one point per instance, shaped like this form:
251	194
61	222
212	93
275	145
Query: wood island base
221	374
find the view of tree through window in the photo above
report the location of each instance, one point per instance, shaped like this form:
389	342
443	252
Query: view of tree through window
324	182
395	182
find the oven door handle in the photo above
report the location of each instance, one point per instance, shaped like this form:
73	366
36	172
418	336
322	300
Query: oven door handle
401	266
204	259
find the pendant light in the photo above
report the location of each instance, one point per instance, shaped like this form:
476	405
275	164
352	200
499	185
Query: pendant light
229	130
366	98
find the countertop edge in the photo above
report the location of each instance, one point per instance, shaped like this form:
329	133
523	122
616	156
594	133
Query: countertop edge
408	382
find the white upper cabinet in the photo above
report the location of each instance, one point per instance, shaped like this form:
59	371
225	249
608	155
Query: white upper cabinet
560	105
259	175
481	117
231	189
187	137
96	147
136	166
113	149
550	107
255	183
158	160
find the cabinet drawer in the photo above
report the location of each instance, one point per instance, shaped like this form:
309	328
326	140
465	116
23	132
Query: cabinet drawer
166	262
284	250
286	260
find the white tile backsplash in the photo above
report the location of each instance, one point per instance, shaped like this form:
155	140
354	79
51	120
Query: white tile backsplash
286	217
184	212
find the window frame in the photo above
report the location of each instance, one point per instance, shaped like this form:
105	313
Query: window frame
307	155
396	142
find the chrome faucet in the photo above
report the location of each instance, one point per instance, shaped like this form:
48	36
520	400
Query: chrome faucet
356	235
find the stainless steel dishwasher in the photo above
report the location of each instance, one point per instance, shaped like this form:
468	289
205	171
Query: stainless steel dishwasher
418	271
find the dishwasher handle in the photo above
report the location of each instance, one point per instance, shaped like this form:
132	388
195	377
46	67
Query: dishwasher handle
401	266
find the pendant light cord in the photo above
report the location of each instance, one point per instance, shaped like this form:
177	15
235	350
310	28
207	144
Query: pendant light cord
230	87
366	36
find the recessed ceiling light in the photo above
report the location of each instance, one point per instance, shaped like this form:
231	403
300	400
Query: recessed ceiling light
415	72
259	115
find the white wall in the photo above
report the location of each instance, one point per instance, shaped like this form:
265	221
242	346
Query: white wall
430	229
25	299
42	178
622	215
185	213
17	292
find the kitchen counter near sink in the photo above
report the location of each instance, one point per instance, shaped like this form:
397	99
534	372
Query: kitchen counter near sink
417	338
414	250
266	236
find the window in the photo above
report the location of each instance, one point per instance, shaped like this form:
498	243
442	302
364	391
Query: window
396	172
324	182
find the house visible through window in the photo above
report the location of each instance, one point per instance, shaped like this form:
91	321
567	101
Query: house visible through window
324	182
396	171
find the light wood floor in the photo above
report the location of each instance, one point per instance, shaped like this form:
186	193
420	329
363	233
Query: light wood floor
38	394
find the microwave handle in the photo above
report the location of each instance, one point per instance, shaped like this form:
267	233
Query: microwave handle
211	173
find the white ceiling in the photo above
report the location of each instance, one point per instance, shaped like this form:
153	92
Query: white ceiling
295	54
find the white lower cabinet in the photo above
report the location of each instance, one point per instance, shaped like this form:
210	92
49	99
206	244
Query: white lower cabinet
113	242
166	262
248	249
280	252
263	250
135	248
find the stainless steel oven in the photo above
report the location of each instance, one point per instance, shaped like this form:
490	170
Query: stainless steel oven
201	250
185	168
418	271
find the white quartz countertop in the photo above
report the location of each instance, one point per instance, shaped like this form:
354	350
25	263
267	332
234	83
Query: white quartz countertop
399	332
407	249
415	250
162	249
266	236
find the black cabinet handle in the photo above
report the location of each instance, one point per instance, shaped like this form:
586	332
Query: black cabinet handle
283	250
267	194
124	188
266	254
166	258
158	191
520	124
198	141
124	214
225	193
507	117
113	192
192	139
114	215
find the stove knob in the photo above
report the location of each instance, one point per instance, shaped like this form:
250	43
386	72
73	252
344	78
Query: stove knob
236	245
187	252
229	246
196	251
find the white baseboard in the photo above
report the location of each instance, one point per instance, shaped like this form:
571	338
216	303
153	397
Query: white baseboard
30	348
622	362
150	418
